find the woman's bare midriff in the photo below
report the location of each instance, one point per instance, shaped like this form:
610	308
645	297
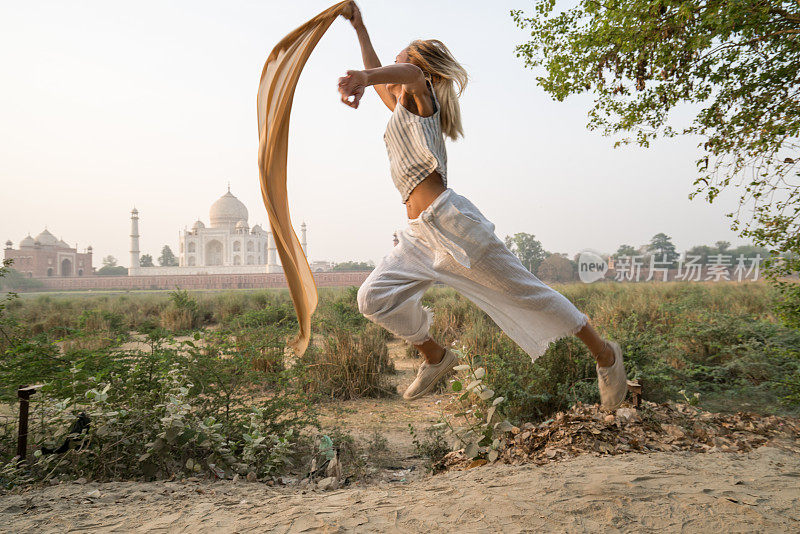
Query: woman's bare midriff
424	194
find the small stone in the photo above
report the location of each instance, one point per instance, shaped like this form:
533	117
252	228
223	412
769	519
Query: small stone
251	476
328	483
94	494
609	418
81	480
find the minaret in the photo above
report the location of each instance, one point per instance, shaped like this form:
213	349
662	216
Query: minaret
303	242
272	253
134	239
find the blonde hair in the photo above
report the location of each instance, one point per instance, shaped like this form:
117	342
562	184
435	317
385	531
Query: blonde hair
448	78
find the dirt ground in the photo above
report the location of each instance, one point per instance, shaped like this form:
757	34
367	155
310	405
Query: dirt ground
664	491
674	492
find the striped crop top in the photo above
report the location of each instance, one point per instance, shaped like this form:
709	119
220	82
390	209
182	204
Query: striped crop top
416	147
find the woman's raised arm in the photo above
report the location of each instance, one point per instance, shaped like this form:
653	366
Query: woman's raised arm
369	56
355	81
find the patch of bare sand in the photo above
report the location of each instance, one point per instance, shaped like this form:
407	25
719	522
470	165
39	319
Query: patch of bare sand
678	491
388	418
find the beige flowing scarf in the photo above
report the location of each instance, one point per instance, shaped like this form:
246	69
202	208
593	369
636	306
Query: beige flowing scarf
275	94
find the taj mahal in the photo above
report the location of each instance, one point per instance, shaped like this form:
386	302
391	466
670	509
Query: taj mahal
226	246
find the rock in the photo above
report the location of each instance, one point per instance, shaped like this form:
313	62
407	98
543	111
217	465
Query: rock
609	418
328	483
81	480
235	478
251	476
94	494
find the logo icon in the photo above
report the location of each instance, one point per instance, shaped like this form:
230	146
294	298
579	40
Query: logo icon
591	266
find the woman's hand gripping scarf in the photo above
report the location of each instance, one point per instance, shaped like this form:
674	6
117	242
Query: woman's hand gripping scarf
275	94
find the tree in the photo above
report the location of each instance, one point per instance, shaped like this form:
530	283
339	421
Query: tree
167	258
527	249
736	63
13	280
748	251
722	246
146	261
109	261
556	268
624	250
704	251
112	270
661	246
353	266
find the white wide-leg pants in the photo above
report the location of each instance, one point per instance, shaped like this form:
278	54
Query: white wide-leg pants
453	243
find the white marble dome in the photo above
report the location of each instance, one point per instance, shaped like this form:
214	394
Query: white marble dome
227	211
198	225
27	242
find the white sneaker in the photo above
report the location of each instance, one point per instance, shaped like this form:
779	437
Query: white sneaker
428	375
612	381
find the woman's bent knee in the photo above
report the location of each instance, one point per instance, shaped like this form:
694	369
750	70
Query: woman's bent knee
368	299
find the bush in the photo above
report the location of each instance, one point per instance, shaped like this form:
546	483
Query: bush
721	341
182	314
177	408
349	365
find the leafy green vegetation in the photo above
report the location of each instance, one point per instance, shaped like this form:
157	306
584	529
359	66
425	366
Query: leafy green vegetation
185	383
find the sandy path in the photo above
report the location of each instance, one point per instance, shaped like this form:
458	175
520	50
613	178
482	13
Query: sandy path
675	492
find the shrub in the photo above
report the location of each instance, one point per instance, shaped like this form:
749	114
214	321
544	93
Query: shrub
432	445
349	365
177	408
182	314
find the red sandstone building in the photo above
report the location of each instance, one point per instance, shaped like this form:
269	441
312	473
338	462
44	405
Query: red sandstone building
46	256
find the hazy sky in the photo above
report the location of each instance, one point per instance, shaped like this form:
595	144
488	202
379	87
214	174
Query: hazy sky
105	105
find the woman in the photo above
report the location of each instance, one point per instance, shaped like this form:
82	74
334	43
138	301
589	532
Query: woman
448	239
